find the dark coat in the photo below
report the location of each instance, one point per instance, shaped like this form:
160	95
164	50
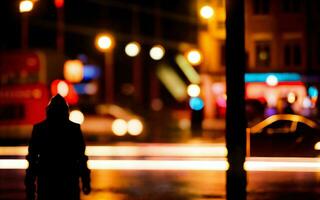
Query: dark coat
56	158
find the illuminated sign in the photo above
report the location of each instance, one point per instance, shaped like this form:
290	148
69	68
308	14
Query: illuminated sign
262	77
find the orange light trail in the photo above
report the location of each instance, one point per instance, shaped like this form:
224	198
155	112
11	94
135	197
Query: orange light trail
155	150
217	164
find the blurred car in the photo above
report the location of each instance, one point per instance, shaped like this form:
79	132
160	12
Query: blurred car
285	135
114	120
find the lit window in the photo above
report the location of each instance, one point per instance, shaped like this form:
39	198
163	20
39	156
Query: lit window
263	57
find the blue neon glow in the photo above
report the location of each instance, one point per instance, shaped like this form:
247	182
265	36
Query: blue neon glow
196	103
313	92
262	77
80	88
91	72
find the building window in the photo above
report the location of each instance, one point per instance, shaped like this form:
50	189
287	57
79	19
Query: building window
263	57
291	6
292	54
261	7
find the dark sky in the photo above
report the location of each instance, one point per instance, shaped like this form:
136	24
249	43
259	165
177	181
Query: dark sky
85	17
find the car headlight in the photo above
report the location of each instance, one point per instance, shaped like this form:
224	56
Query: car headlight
317	146
119	127
135	127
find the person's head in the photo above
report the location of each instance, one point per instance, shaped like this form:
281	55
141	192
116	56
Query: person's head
57	108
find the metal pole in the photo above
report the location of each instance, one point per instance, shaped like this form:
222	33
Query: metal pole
60	30
235	119
137	62
24	31
109	76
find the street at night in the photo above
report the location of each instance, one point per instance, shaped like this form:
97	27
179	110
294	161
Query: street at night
160	100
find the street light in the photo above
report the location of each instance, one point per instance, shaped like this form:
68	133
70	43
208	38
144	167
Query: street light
206	12
25	6
132	49
105	42
157	52
194	57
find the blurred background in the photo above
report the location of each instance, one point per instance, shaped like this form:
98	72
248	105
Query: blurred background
147	82
160	64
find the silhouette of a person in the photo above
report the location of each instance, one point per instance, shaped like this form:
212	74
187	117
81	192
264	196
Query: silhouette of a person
56	157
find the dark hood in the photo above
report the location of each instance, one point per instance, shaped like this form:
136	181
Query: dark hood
57	109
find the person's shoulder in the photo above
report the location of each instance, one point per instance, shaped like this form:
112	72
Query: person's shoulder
74	125
40	124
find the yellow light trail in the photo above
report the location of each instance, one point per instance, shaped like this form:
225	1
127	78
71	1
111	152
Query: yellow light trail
218	164
156	150
215	165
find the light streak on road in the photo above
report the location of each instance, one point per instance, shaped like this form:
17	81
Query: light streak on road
13	164
283	164
156	150
217	164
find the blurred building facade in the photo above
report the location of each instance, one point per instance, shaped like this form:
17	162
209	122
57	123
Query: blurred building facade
281	36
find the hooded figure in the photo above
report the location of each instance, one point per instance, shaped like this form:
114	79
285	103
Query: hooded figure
56	157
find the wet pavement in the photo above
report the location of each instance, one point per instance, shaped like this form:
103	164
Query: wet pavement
176	185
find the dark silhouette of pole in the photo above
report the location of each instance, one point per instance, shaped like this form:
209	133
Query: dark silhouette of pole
235	119
60	29
154	82
109	76
137	62
24	30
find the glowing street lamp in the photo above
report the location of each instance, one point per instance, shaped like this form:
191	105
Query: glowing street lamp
194	57
157	52
206	12
25	6
105	43
132	49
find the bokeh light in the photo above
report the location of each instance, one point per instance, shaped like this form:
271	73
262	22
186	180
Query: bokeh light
104	42
135	127
63	88
206	12
132	49
25	6
76	116
272	80
317	146
119	127
194	57
193	90
196	103
73	71
291	97
157	52
313	92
